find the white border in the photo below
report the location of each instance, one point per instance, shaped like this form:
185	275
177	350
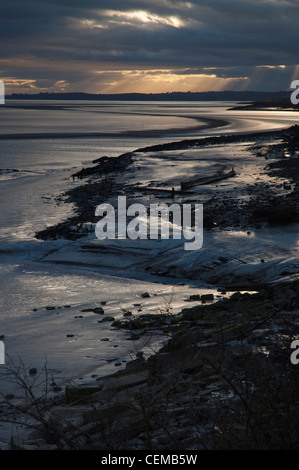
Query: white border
2	92
2	353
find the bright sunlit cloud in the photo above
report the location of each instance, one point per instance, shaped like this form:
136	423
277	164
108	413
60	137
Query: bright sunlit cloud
270	66
88	23
152	46
19	85
144	17
12	83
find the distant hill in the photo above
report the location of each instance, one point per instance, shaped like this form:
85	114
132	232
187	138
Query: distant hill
282	96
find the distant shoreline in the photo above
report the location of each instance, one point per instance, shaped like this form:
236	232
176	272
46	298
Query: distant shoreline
267	105
227	95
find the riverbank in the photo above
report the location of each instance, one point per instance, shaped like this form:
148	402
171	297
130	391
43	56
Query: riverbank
275	105
187	378
250	218
226	379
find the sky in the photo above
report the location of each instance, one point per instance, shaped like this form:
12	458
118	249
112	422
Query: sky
143	46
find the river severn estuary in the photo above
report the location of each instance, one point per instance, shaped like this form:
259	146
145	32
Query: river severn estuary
51	287
35	169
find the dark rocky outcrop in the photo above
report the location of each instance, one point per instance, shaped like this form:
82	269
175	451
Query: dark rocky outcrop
224	380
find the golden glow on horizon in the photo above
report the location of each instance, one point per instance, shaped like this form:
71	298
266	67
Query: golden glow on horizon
132	81
163	81
18	85
11	81
109	78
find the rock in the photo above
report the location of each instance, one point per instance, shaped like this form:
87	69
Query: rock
145	295
181	341
99	310
194	297
175	397
207	297
106	319
164	362
125	381
128	314
138	364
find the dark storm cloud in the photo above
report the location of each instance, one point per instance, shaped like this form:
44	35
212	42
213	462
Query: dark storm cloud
71	40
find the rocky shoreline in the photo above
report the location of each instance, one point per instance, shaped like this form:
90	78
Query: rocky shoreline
261	195
227	376
101	181
226	379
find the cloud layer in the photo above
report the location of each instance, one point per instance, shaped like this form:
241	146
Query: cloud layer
114	46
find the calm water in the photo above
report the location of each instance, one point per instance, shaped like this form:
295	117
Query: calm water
44	166
27	204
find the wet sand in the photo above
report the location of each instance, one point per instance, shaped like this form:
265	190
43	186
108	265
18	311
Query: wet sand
245	248
240	212
206	124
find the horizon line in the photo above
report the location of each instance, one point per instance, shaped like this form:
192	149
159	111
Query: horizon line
148	93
